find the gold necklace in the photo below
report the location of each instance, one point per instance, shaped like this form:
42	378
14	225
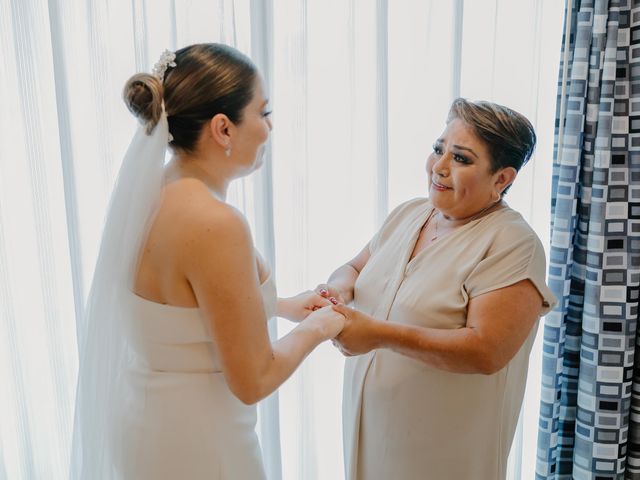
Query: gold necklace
435	226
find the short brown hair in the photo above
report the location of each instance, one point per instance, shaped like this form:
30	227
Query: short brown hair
208	79
509	136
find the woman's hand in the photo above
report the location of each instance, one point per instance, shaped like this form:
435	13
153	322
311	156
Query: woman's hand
327	322
299	307
330	292
360	333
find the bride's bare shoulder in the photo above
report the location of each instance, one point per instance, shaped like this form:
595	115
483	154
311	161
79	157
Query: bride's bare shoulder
194	211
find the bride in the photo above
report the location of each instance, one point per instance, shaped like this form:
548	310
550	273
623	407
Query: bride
175	351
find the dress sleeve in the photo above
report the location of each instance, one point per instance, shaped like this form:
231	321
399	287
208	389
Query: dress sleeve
510	260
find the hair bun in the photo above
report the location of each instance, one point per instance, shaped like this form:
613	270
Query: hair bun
143	95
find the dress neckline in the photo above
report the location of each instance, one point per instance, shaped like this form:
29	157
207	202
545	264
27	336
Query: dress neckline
423	218
178	307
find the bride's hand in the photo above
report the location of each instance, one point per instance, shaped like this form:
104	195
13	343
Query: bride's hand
299	307
326	321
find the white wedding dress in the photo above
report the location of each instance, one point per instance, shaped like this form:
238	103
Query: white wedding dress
180	420
152	402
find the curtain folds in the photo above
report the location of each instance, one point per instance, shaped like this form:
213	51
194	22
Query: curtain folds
63	131
589	401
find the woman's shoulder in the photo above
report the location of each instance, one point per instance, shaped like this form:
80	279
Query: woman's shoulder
409	208
509	226
194	211
414	203
511	220
399	220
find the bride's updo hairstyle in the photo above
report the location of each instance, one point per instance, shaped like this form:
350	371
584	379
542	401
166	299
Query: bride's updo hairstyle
208	79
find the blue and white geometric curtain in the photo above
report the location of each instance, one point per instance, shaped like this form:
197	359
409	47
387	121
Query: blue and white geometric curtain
590	401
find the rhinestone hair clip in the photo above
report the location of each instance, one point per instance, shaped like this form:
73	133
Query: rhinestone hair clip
167	59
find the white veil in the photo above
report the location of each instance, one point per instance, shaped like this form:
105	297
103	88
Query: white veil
102	339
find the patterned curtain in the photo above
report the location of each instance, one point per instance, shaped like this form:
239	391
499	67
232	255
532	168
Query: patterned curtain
590	398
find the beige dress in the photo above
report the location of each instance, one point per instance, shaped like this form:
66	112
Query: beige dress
404	419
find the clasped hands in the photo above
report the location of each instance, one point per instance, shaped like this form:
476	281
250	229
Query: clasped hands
358	335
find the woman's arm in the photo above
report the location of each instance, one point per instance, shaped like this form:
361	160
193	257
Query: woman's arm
341	282
338	289
498	323
218	261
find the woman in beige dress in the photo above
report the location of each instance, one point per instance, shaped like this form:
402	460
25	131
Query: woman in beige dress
446	299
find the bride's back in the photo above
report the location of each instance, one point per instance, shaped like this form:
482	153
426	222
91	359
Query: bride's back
160	277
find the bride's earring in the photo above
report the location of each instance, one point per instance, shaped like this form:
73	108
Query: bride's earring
227	150
497	196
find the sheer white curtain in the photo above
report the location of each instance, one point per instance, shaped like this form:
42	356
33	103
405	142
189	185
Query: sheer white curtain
360	90
63	130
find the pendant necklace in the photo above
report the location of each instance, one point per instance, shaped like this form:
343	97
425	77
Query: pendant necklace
435	225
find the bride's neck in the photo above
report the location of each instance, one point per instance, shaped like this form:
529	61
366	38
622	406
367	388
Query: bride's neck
207	170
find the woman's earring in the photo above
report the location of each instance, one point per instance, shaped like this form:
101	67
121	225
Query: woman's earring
498	196
227	150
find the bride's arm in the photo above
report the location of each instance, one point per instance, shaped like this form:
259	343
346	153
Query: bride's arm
218	261
297	308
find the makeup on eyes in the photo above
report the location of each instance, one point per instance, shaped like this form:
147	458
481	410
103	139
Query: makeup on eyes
265	111
461	158
465	149
438	149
